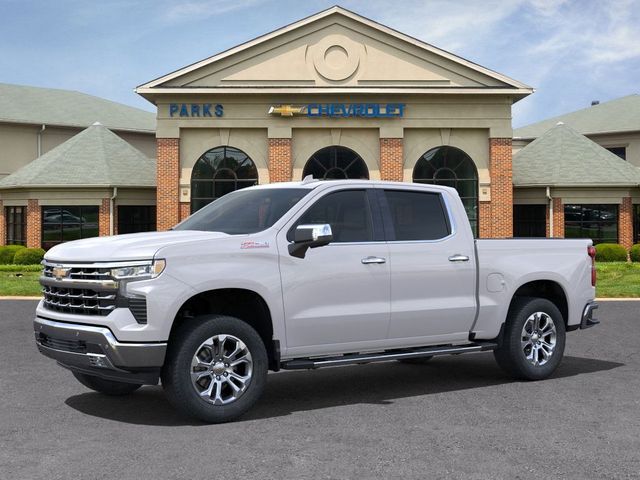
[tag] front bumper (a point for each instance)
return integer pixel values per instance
(95, 350)
(588, 319)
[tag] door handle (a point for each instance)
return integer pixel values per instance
(368, 260)
(458, 258)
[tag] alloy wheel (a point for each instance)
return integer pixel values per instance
(538, 339)
(221, 369)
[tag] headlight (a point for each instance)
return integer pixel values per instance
(139, 272)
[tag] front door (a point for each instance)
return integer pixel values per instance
(432, 268)
(336, 299)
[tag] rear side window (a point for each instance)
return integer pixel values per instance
(417, 215)
(346, 211)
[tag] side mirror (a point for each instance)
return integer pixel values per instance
(309, 236)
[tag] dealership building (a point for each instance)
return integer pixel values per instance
(337, 95)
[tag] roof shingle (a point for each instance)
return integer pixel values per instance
(50, 106)
(619, 115)
(94, 157)
(564, 157)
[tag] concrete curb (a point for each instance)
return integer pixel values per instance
(20, 298)
(621, 299)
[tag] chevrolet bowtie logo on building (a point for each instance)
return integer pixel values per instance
(340, 110)
(59, 272)
(287, 110)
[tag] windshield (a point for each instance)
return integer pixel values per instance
(244, 211)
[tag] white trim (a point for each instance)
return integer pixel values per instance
(318, 16)
(333, 90)
(576, 185)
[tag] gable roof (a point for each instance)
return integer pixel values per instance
(615, 116)
(170, 83)
(564, 157)
(95, 157)
(68, 108)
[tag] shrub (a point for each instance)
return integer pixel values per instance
(635, 253)
(611, 252)
(8, 252)
(29, 256)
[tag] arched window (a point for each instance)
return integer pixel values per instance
(336, 163)
(451, 167)
(219, 171)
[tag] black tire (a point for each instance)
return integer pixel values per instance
(108, 387)
(176, 373)
(416, 361)
(511, 356)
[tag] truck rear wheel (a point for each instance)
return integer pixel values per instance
(534, 339)
(108, 387)
(216, 368)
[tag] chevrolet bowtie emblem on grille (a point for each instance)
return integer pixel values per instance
(59, 272)
(287, 110)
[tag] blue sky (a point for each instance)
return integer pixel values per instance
(571, 51)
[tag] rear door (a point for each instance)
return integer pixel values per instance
(433, 276)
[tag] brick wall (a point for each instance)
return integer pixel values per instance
(103, 218)
(558, 218)
(168, 179)
(391, 159)
(115, 219)
(3, 224)
(500, 170)
(625, 223)
(547, 229)
(185, 210)
(280, 160)
(34, 223)
(485, 222)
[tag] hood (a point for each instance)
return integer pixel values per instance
(133, 246)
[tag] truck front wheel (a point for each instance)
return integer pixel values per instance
(533, 341)
(216, 368)
(102, 385)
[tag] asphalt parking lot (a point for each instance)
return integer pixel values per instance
(457, 417)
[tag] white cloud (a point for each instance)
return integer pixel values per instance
(449, 25)
(185, 11)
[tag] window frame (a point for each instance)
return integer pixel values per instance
(61, 224)
(332, 155)
(475, 199)
(528, 223)
(150, 213)
(611, 148)
(582, 221)
(389, 227)
(214, 180)
(10, 223)
(377, 229)
(636, 222)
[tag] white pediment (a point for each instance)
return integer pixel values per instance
(336, 58)
(335, 48)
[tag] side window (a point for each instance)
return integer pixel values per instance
(347, 212)
(417, 215)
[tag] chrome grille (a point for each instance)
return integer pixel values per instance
(80, 301)
(81, 273)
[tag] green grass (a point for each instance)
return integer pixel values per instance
(20, 280)
(615, 279)
(618, 279)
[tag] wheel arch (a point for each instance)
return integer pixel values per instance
(244, 304)
(547, 289)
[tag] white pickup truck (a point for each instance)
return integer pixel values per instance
(300, 276)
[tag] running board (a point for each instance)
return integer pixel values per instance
(309, 363)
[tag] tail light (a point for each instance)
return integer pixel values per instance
(591, 250)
